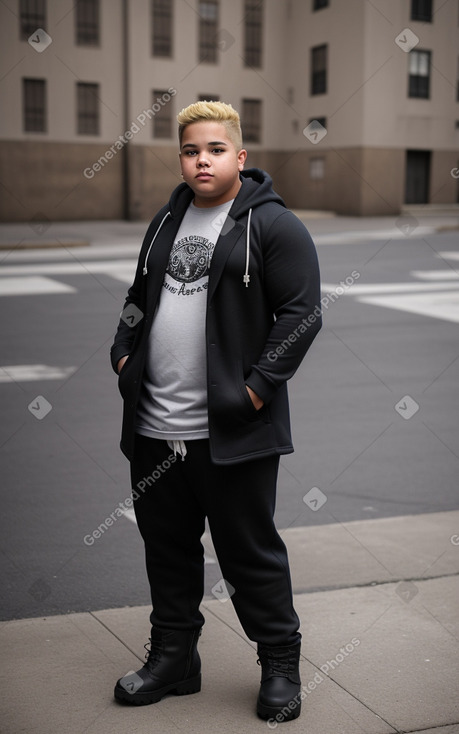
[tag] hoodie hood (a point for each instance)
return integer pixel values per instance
(256, 189)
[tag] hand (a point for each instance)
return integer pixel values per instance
(121, 363)
(256, 400)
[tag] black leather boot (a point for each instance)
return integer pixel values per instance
(280, 690)
(173, 666)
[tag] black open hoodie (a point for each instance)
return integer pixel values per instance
(263, 312)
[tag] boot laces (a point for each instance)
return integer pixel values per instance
(279, 663)
(153, 653)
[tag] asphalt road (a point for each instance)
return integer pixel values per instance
(374, 411)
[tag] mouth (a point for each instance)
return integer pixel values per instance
(204, 176)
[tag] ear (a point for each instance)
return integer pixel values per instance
(241, 158)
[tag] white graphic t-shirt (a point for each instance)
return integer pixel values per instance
(173, 403)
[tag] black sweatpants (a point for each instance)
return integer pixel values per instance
(172, 500)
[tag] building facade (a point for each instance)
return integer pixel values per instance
(352, 106)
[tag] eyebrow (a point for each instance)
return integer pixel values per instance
(193, 145)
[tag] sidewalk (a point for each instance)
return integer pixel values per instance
(380, 646)
(325, 227)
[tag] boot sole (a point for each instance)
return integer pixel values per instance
(184, 688)
(271, 712)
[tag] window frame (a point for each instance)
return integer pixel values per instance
(87, 28)
(319, 77)
(162, 32)
(422, 10)
(163, 118)
(416, 90)
(252, 120)
(30, 20)
(254, 13)
(38, 112)
(92, 112)
(208, 33)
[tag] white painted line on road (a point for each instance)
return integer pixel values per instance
(30, 286)
(435, 274)
(359, 236)
(361, 289)
(436, 305)
(449, 255)
(73, 268)
(33, 372)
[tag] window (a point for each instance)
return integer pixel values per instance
(32, 16)
(316, 169)
(208, 28)
(162, 120)
(87, 22)
(162, 18)
(321, 120)
(253, 33)
(319, 70)
(421, 10)
(251, 120)
(318, 4)
(419, 74)
(87, 109)
(34, 105)
(209, 97)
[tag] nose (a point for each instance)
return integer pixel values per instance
(202, 160)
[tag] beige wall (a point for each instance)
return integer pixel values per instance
(62, 64)
(47, 179)
(370, 120)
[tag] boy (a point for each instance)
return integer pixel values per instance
(218, 322)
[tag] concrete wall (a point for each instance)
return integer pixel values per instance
(48, 178)
(370, 120)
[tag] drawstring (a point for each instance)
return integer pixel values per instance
(178, 447)
(145, 269)
(246, 277)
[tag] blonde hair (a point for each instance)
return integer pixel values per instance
(213, 112)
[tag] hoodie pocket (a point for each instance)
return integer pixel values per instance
(251, 413)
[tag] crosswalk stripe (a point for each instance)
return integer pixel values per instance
(33, 285)
(33, 372)
(436, 305)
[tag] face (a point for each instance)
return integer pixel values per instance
(210, 163)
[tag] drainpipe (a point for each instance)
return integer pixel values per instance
(125, 93)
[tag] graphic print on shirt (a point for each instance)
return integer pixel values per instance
(189, 259)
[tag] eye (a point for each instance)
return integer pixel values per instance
(190, 152)
(218, 150)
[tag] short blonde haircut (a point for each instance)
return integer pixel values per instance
(213, 112)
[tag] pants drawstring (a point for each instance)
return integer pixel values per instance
(178, 447)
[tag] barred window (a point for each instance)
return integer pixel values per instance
(162, 20)
(87, 109)
(419, 74)
(162, 120)
(208, 30)
(421, 10)
(251, 120)
(319, 69)
(87, 17)
(32, 15)
(253, 33)
(34, 105)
